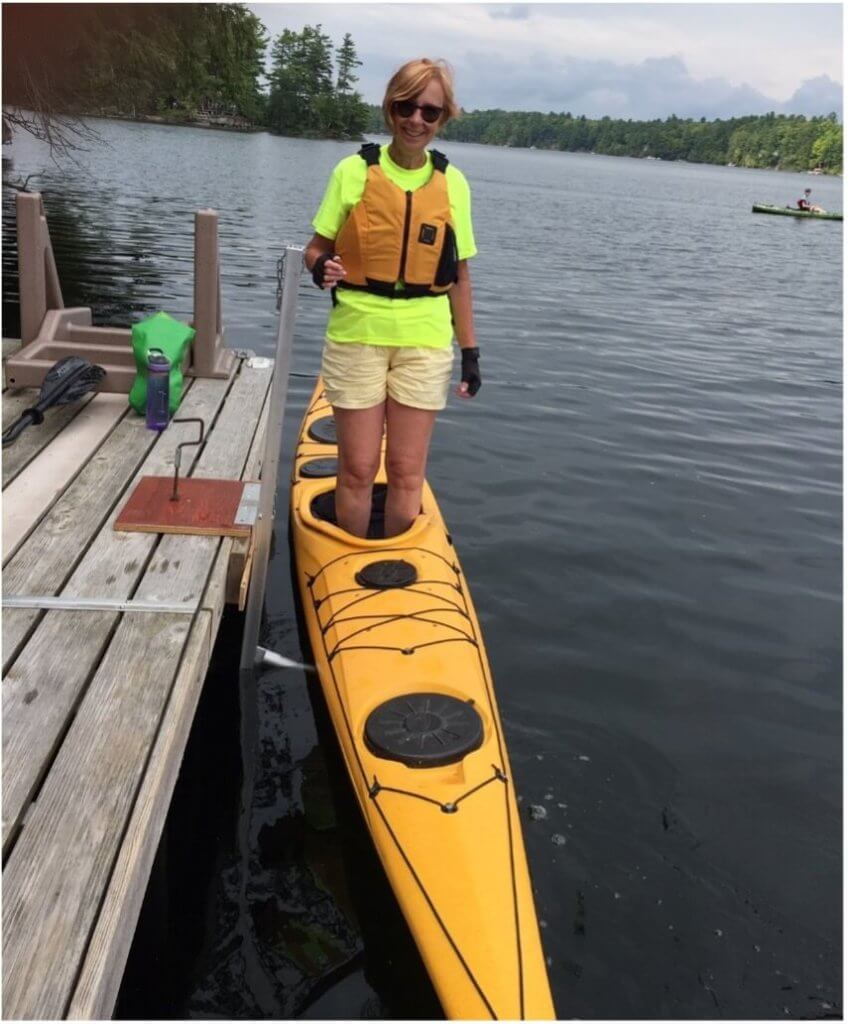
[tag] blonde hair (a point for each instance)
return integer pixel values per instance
(414, 76)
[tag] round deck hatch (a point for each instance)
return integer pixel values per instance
(319, 468)
(424, 730)
(386, 575)
(323, 430)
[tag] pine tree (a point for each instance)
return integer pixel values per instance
(317, 50)
(353, 112)
(287, 101)
(346, 61)
(304, 99)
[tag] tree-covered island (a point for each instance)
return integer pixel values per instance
(210, 65)
(200, 64)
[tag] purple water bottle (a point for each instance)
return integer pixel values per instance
(158, 389)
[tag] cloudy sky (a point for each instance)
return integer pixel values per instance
(623, 59)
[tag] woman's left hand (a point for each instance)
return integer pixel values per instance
(471, 381)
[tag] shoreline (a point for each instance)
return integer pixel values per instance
(816, 172)
(209, 126)
(174, 123)
(259, 129)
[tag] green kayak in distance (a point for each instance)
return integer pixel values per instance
(790, 211)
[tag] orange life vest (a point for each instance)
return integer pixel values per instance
(392, 236)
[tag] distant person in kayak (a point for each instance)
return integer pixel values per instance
(393, 239)
(806, 203)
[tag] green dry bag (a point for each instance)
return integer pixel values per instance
(171, 336)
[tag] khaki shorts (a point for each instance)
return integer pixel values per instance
(360, 376)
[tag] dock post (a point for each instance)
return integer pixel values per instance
(292, 267)
(209, 358)
(38, 279)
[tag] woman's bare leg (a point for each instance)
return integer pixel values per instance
(408, 433)
(359, 433)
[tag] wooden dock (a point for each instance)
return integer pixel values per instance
(97, 704)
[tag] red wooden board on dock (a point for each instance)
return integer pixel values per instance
(203, 506)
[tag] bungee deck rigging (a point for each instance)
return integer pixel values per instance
(402, 664)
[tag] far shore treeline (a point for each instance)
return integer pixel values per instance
(790, 142)
(205, 64)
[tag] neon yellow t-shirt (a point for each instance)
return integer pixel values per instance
(373, 319)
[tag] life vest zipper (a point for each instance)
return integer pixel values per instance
(406, 222)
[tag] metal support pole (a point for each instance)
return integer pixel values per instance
(292, 267)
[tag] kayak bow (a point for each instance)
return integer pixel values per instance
(789, 211)
(399, 653)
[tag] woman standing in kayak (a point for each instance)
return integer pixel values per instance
(393, 237)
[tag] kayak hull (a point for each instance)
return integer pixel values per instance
(448, 834)
(788, 211)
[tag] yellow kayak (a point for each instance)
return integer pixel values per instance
(405, 676)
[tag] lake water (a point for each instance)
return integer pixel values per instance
(646, 498)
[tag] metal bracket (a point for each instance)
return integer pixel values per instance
(248, 508)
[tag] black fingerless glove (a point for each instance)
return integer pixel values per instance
(471, 369)
(318, 268)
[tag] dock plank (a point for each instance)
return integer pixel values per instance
(100, 978)
(97, 990)
(37, 701)
(51, 900)
(35, 439)
(59, 542)
(34, 490)
(56, 545)
(53, 882)
(242, 546)
(15, 400)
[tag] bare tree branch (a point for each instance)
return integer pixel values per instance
(64, 133)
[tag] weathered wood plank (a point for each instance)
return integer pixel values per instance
(242, 547)
(253, 468)
(110, 568)
(50, 902)
(15, 400)
(34, 490)
(34, 439)
(59, 542)
(177, 569)
(54, 881)
(56, 545)
(100, 979)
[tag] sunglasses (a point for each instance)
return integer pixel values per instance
(406, 108)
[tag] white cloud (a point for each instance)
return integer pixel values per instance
(816, 95)
(653, 88)
(632, 60)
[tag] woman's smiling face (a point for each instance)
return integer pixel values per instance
(412, 135)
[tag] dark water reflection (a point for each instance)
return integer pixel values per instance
(647, 500)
